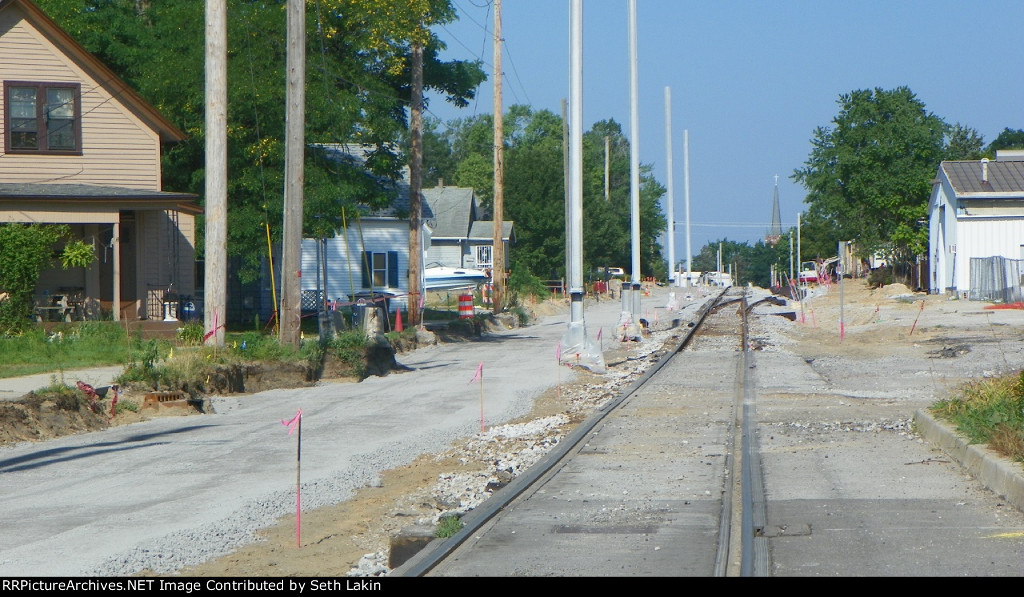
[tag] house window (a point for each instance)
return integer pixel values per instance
(483, 255)
(380, 270)
(42, 117)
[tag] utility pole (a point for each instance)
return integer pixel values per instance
(416, 187)
(295, 115)
(498, 252)
(568, 179)
(216, 274)
(686, 175)
(670, 233)
(634, 127)
(799, 254)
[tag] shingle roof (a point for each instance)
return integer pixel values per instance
(356, 154)
(484, 229)
(82, 193)
(453, 210)
(1004, 178)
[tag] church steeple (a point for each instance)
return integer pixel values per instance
(775, 232)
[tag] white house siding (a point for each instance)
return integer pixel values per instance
(942, 240)
(986, 237)
(117, 149)
(344, 259)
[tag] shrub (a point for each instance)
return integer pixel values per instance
(522, 282)
(191, 334)
(989, 411)
(349, 347)
(882, 276)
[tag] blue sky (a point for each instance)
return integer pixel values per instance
(749, 80)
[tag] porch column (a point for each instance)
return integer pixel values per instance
(91, 308)
(117, 271)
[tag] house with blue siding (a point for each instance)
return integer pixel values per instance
(976, 228)
(369, 257)
(459, 238)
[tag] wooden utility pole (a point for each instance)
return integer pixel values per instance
(416, 187)
(216, 274)
(498, 252)
(295, 125)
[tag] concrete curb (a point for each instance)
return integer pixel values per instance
(996, 472)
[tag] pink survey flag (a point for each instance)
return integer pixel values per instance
(599, 330)
(293, 423)
(210, 333)
(479, 372)
(558, 352)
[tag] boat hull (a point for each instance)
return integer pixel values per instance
(450, 278)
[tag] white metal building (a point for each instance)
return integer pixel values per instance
(976, 212)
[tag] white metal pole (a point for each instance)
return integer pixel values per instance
(575, 273)
(634, 154)
(799, 254)
(670, 233)
(686, 176)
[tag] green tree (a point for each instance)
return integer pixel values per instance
(25, 251)
(964, 143)
(868, 176)
(535, 189)
(358, 83)
(1008, 139)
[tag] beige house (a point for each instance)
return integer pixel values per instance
(81, 148)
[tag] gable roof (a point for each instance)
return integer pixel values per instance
(454, 209)
(979, 179)
(101, 74)
(356, 155)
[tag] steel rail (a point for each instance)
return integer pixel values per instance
(437, 550)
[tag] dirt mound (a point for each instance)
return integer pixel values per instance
(37, 418)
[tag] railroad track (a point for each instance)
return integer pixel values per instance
(664, 480)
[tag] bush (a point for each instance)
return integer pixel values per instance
(191, 334)
(524, 283)
(879, 277)
(990, 411)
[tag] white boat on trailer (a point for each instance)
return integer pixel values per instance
(440, 277)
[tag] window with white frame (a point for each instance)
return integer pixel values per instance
(483, 255)
(380, 270)
(42, 117)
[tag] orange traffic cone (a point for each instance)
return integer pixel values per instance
(398, 320)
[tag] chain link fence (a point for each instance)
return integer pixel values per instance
(996, 279)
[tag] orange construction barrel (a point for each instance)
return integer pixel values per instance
(465, 306)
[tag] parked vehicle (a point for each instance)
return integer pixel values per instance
(809, 272)
(612, 272)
